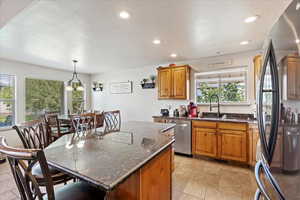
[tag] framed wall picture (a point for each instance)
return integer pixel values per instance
(121, 87)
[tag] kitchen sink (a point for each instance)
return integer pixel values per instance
(228, 115)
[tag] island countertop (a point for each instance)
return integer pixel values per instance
(106, 161)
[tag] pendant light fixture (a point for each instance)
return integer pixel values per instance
(74, 84)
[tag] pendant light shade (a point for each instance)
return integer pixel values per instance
(74, 83)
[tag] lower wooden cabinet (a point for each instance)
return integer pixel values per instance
(152, 181)
(233, 145)
(253, 138)
(205, 141)
(221, 140)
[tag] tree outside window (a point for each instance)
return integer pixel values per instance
(43, 96)
(7, 100)
(229, 85)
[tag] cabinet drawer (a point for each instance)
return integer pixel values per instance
(205, 124)
(233, 126)
(233, 132)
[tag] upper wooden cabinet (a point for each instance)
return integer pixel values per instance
(257, 61)
(290, 82)
(173, 82)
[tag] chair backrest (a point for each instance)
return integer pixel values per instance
(21, 162)
(99, 119)
(82, 122)
(52, 121)
(34, 135)
(112, 120)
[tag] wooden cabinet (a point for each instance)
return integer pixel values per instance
(173, 82)
(164, 83)
(205, 141)
(257, 61)
(221, 140)
(152, 181)
(253, 138)
(156, 178)
(290, 82)
(233, 145)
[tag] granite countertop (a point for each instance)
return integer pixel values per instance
(107, 160)
(210, 119)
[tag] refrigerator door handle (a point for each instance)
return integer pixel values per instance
(268, 147)
(261, 188)
(260, 166)
(257, 195)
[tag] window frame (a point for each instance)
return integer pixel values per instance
(222, 71)
(83, 97)
(13, 101)
(64, 105)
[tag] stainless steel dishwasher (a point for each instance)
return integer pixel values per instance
(183, 136)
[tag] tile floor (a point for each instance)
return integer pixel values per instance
(198, 179)
(193, 179)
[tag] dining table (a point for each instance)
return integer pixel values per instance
(127, 164)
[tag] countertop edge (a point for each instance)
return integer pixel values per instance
(209, 119)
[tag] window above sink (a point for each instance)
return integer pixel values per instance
(230, 85)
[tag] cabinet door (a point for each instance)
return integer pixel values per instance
(205, 141)
(233, 145)
(164, 83)
(156, 178)
(291, 80)
(179, 82)
(257, 71)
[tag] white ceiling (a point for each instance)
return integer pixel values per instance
(53, 32)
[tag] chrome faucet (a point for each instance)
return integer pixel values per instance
(218, 101)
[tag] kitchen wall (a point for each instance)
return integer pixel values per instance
(22, 71)
(142, 104)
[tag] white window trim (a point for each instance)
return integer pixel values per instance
(5, 128)
(228, 70)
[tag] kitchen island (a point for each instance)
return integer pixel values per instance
(133, 163)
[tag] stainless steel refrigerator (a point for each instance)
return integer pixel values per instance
(277, 171)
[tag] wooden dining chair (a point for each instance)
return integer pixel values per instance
(35, 136)
(22, 162)
(54, 127)
(99, 119)
(112, 121)
(82, 123)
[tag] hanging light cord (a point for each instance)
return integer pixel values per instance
(75, 72)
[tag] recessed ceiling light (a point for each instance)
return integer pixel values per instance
(245, 42)
(124, 15)
(298, 6)
(156, 41)
(251, 19)
(297, 41)
(173, 55)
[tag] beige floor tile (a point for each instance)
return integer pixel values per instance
(195, 188)
(7, 196)
(190, 197)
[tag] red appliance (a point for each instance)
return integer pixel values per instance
(192, 110)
